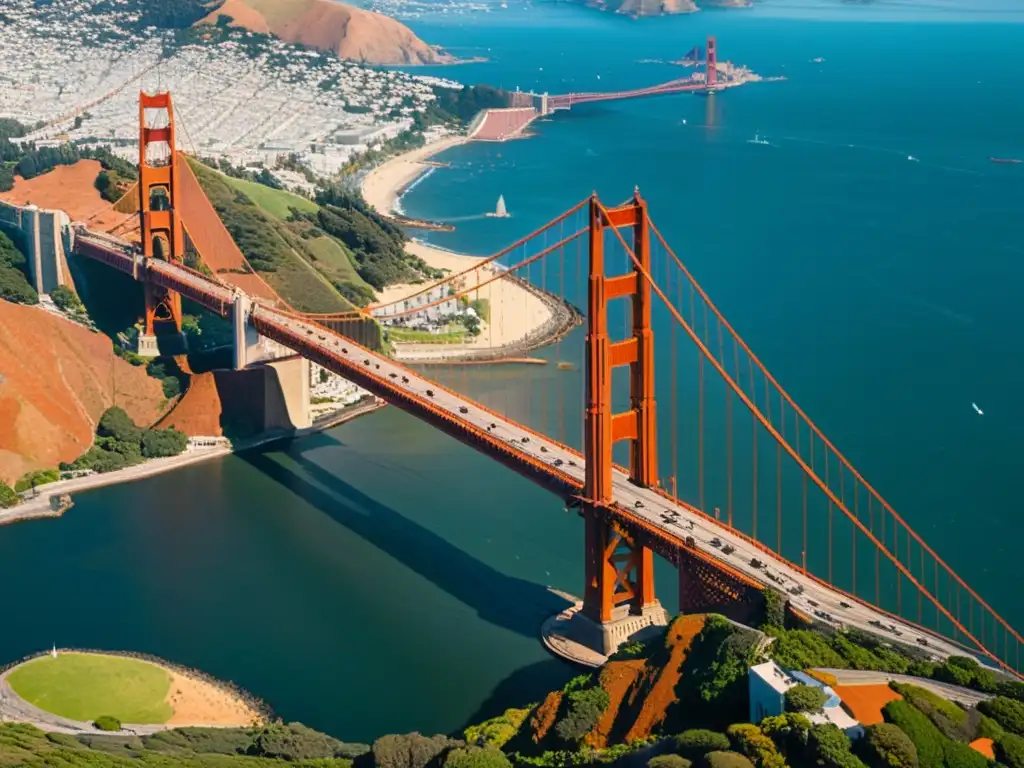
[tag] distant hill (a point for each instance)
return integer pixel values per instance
(351, 33)
(663, 7)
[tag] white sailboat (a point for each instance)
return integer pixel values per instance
(499, 211)
(758, 140)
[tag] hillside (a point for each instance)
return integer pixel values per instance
(350, 32)
(56, 379)
(645, 7)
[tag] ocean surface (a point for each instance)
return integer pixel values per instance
(383, 578)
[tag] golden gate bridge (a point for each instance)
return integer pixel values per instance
(712, 466)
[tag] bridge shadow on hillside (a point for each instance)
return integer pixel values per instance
(505, 601)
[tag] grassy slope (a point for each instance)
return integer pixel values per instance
(331, 257)
(294, 277)
(276, 202)
(84, 686)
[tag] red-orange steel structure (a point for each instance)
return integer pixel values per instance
(620, 539)
(159, 221)
(618, 569)
(712, 62)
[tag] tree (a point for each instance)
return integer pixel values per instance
(1009, 750)
(411, 750)
(163, 442)
(1007, 712)
(805, 698)
(749, 740)
(171, 386)
(886, 746)
(829, 746)
(117, 424)
(697, 742)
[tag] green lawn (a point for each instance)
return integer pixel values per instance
(83, 686)
(274, 201)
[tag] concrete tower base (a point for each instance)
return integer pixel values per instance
(583, 641)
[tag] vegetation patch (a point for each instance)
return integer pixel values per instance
(87, 686)
(14, 284)
(121, 443)
(497, 731)
(805, 698)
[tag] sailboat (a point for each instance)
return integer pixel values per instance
(499, 210)
(758, 140)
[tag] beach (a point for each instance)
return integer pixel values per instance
(519, 317)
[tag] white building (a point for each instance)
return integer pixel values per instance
(768, 683)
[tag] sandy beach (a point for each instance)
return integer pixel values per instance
(516, 313)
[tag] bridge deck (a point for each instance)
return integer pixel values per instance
(533, 455)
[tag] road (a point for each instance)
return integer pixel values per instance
(676, 520)
(956, 693)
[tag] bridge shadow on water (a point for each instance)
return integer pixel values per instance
(505, 601)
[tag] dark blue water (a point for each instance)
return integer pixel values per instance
(384, 578)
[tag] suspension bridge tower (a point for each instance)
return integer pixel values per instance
(619, 598)
(159, 220)
(711, 76)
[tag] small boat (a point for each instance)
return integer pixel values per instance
(499, 210)
(1006, 160)
(913, 159)
(758, 140)
(975, 406)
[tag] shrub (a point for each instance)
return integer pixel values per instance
(789, 732)
(294, 742)
(8, 498)
(107, 723)
(949, 718)
(928, 741)
(1009, 750)
(827, 745)
(117, 424)
(886, 746)
(66, 299)
(497, 731)
(171, 386)
(585, 709)
(805, 698)
(210, 741)
(163, 442)
(774, 609)
(748, 740)
(476, 757)
(720, 759)
(957, 754)
(669, 761)
(36, 478)
(1007, 712)
(1011, 689)
(411, 750)
(697, 742)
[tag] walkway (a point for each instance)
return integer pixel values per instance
(960, 695)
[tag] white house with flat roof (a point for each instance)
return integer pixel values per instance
(768, 683)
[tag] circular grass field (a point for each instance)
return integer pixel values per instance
(84, 686)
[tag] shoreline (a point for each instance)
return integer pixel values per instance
(40, 506)
(522, 316)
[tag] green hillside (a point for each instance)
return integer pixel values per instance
(276, 202)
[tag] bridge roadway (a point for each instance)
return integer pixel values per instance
(682, 85)
(524, 450)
